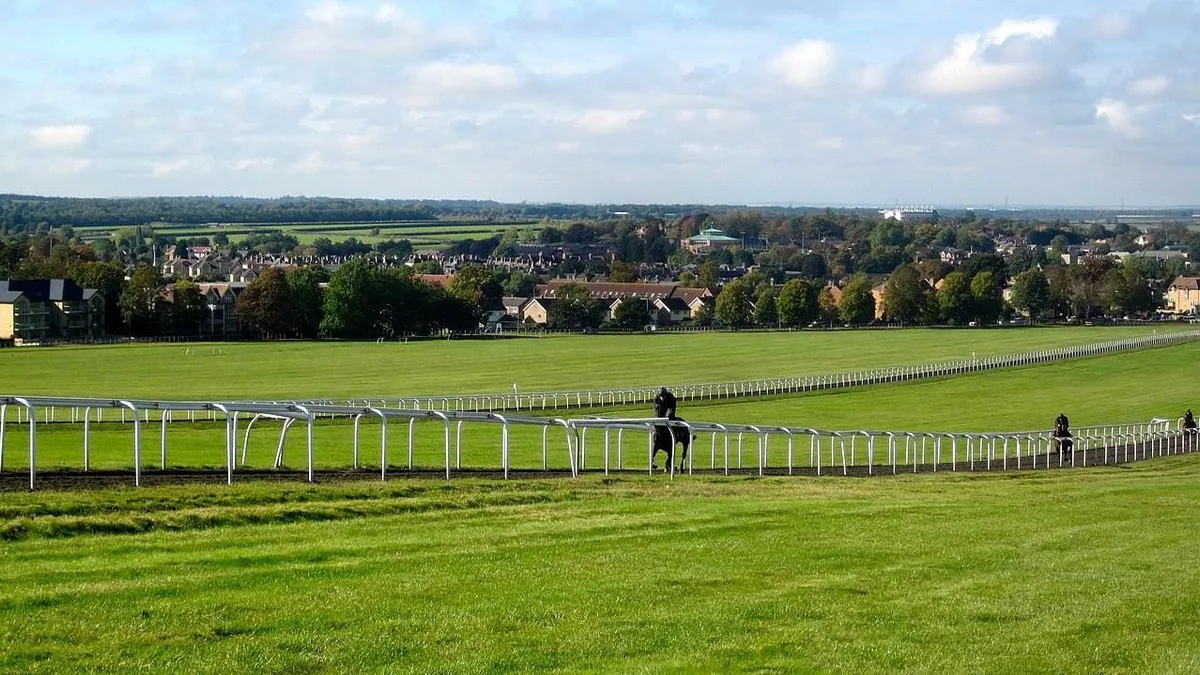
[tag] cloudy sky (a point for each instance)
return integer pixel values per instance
(1066, 102)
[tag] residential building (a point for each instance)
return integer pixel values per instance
(49, 309)
(220, 300)
(537, 311)
(513, 305)
(1183, 295)
(709, 240)
(670, 302)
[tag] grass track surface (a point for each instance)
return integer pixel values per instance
(1066, 572)
(1127, 387)
(350, 369)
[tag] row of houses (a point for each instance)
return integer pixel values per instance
(668, 303)
(37, 310)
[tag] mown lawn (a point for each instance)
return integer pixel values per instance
(1120, 388)
(1082, 571)
(349, 369)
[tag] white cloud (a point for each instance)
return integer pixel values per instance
(164, 169)
(328, 11)
(60, 137)
(981, 63)
(607, 121)
(806, 64)
(1119, 117)
(312, 162)
(1150, 86)
(464, 78)
(871, 78)
(1111, 26)
(253, 163)
(986, 115)
(70, 165)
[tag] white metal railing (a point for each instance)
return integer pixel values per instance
(860, 450)
(543, 402)
(626, 396)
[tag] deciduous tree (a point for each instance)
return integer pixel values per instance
(141, 301)
(797, 303)
(857, 305)
(186, 311)
(574, 309)
(1031, 294)
(954, 298)
(733, 308)
(267, 304)
(904, 295)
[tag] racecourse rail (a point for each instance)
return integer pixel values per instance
(858, 450)
(624, 396)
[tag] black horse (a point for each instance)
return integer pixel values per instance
(665, 440)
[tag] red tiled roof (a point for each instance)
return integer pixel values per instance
(1186, 283)
(442, 280)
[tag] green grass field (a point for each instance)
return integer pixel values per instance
(356, 369)
(1072, 571)
(1092, 391)
(1086, 571)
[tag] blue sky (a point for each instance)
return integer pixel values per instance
(711, 101)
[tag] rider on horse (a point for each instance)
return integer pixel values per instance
(1062, 433)
(664, 404)
(665, 437)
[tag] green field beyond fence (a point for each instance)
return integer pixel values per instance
(303, 370)
(1093, 391)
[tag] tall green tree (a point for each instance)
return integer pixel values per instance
(797, 303)
(631, 314)
(267, 304)
(186, 311)
(987, 297)
(574, 309)
(1129, 292)
(478, 285)
(708, 275)
(1031, 294)
(766, 310)
(733, 308)
(954, 298)
(904, 295)
(622, 272)
(141, 301)
(353, 301)
(308, 300)
(857, 305)
(827, 304)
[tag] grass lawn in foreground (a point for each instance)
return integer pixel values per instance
(1079, 571)
(1118, 388)
(298, 370)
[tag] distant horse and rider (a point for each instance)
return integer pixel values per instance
(1189, 426)
(666, 437)
(1062, 434)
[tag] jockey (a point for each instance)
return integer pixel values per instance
(1062, 425)
(664, 404)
